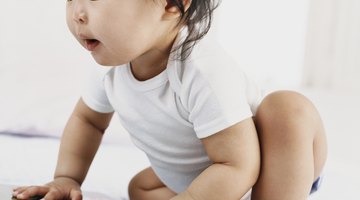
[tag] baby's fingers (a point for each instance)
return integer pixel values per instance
(28, 192)
(75, 195)
(18, 190)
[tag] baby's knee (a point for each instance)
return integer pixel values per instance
(135, 188)
(143, 185)
(285, 112)
(284, 106)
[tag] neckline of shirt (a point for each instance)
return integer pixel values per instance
(146, 85)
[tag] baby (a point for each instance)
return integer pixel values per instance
(208, 131)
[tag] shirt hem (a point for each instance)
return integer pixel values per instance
(96, 106)
(219, 125)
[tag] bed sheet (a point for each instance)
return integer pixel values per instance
(32, 160)
(27, 160)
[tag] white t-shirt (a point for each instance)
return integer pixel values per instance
(166, 116)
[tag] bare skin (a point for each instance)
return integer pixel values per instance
(293, 153)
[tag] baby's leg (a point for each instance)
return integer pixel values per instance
(147, 186)
(293, 147)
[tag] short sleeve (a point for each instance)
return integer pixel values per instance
(217, 98)
(94, 92)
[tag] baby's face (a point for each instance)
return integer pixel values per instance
(117, 31)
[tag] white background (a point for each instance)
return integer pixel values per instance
(266, 37)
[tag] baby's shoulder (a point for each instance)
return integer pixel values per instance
(208, 65)
(210, 60)
(209, 56)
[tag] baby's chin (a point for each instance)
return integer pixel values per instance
(106, 62)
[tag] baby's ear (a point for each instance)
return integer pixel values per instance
(172, 11)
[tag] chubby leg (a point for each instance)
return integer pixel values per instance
(293, 147)
(147, 186)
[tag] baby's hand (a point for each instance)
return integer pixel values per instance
(60, 188)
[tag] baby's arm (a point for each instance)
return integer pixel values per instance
(235, 152)
(80, 141)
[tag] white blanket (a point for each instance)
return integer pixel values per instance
(31, 161)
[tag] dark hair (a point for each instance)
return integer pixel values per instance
(197, 18)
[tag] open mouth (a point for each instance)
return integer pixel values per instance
(91, 44)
